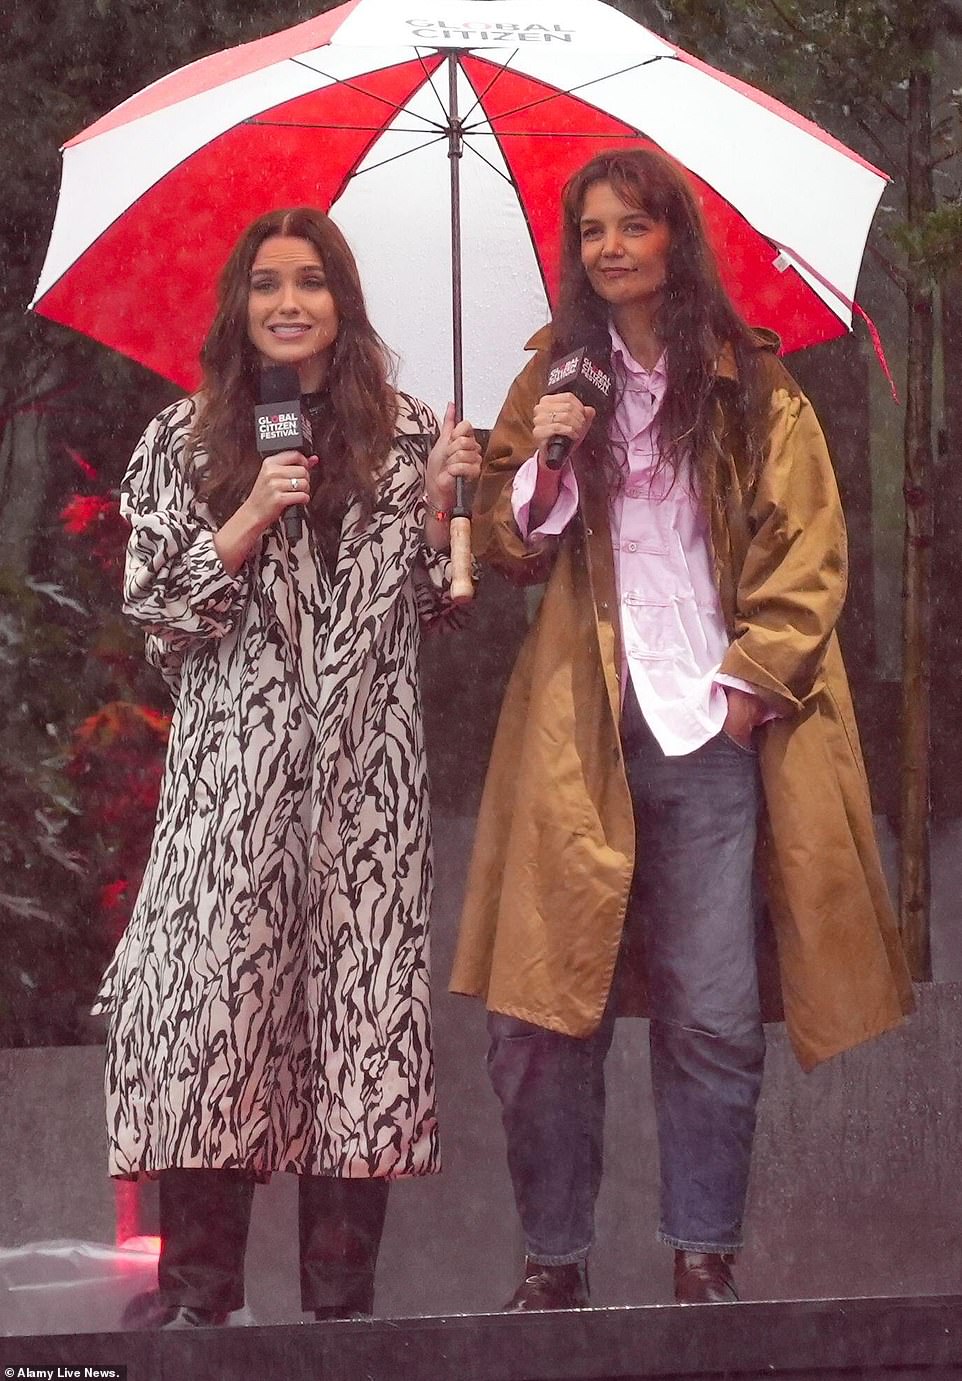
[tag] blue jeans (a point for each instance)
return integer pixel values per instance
(693, 909)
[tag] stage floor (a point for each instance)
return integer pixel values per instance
(888, 1339)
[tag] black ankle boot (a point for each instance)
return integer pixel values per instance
(550, 1287)
(187, 1316)
(151, 1310)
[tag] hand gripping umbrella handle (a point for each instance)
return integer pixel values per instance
(462, 586)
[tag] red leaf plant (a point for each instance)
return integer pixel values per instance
(117, 759)
(117, 752)
(95, 518)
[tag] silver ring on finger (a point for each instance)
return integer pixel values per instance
(295, 484)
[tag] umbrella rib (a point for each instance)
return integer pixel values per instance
(493, 166)
(582, 86)
(478, 133)
(480, 95)
(309, 124)
(512, 181)
(429, 78)
(372, 95)
(429, 143)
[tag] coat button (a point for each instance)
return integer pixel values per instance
(590, 531)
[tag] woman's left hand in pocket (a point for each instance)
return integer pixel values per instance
(744, 712)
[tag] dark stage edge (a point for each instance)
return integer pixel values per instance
(814, 1340)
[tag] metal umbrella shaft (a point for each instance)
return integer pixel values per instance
(462, 588)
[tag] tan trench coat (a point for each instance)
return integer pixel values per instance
(549, 881)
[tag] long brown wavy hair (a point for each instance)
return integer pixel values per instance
(695, 320)
(358, 410)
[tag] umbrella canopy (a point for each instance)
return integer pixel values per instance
(358, 112)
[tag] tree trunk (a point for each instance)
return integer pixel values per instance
(914, 883)
(947, 568)
(24, 467)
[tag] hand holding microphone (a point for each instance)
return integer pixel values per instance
(576, 388)
(282, 488)
(281, 427)
(559, 417)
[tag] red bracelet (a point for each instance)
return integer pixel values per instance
(440, 515)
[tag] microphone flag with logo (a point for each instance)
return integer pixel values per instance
(589, 382)
(280, 425)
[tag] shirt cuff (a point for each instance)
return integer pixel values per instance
(721, 678)
(565, 506)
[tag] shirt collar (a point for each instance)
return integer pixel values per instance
(655, 378)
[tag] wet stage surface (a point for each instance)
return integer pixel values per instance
(825, 1340)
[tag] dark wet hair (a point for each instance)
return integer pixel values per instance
(695, 320)
(356, 420)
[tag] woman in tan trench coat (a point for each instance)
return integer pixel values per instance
(544, 927)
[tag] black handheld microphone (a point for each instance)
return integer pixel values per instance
(280, 425)
(590, 383)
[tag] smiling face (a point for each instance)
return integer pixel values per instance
(624, 251)
(291, 314)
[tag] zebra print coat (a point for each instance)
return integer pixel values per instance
(268, 1004)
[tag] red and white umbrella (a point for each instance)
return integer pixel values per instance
(360, 110)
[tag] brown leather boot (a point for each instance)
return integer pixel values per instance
(704, 1278)
(550, 1287)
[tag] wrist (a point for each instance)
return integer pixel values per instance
(439, 510)
(247, 526)
(249, 521)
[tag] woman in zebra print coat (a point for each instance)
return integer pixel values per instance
(268, 1004)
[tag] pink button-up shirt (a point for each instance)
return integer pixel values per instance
(673, 630)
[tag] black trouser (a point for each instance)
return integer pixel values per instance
(204, 1217)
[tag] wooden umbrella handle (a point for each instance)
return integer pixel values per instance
(462, 586)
